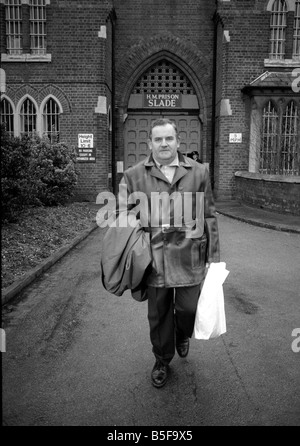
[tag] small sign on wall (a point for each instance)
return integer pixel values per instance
(88, 155)
(85, 140)
(86, 151)
(120, 167)
(235, 137)
(162, 100)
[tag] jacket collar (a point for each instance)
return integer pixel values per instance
(183, 160)
(184, 165)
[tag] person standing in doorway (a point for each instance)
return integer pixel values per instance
(195, 156)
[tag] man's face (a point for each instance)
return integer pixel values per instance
(164, 143)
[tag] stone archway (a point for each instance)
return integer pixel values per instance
(162, 90)
(186, 56)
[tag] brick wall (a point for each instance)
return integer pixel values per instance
(270, 192)
(240, 60)
(79, 72)
(85, 66)
(148, 31)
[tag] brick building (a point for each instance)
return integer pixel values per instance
(96, 73)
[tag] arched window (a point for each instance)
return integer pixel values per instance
(163, 77)
(51, 114)
(27, 117)
(278, 29)
(289, 149)
(7, 116)
(268, 147)
(296, 47)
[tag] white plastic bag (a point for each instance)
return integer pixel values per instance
(210, 320)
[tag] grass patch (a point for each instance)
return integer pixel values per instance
(39, 233)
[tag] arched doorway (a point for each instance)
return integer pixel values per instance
(161, 91)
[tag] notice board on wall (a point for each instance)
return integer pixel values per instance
(86, 151)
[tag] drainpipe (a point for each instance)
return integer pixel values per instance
(113, 117)
(214, 88)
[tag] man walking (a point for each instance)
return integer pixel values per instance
(180, 252)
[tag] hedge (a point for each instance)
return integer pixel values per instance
(36, 172)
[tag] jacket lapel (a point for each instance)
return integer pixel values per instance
(182, 170)
(154, 170)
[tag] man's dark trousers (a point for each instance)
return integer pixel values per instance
(165, 323)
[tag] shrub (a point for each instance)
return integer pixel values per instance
(54, 171)
(15, 161)
(35, 172)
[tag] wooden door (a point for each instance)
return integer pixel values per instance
(137, 128)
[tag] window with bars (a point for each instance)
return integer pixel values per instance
(268, 148)
(296, 46)
(7, 116)
(13, 20)
(278, 29)
(27, 117)
(163, 77)
(51, 114)
(19, 21)
(37, 26)
(289, 150)
(279, 149)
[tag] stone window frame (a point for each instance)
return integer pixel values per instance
(8, 113)
(27, 118)
(163, 77)
(13, 26)
(278, 25)
(290, 5)
(37, 20)
(258, 103)
(283, 62)
(33, 55)
(267, 155)
(296, 34)
(54, 135)
(40, 127)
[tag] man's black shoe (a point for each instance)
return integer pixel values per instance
(182, 347)
(159, 374)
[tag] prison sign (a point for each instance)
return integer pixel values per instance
(86, 151)
(153, 100)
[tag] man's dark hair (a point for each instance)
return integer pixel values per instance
(162, 121)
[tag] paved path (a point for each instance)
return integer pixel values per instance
(77, 355)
